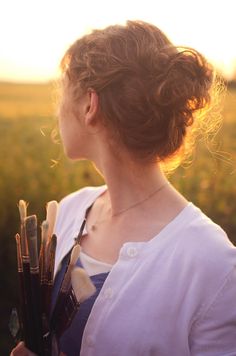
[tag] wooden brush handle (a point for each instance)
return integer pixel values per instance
(64, 319)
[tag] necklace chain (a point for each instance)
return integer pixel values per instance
(93, 226)
(140, 201)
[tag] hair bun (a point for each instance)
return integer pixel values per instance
(185, 81)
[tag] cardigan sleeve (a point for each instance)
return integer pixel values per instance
(214, 333)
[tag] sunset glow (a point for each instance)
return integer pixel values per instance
(35, 34)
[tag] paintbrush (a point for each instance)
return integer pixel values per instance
(47, 228)
(82, 285)
(24, 246)
(43, 286)
(65, 286)
(51, 251)
(66, 283)
(49, 242)
(47, 256)
(25, 285)
(47, 251)
(42, 255)
(35, 311)
(50, 273)
(46, 234)
(43, 276)
(51, 208)
(81, 289)
(23, 311)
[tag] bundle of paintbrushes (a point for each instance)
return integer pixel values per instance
(40, 327)
(36, 273)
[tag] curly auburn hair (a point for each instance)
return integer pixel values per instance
(150, 91)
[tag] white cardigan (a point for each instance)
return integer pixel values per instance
(174, 295)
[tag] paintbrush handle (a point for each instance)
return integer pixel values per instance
(28, 331)
(43, 263)
(23, 308)
(23, 322)
(35, 307)
(46, 294)
(36, 312)
(64, 288)
(47, 275)
(61, 299)
(25, 290)
(50, 272)
(42, 255)
(65, 317)
(66, 283)
(52, 253)
(58, 309)
(24, 243)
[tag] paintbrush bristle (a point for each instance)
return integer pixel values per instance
(52, 252)
(17, 237)
(22, 210)
(31, 234)
(31, 226)
(75, 254)
(82, 284)
(51, 208)
(44, 228)
(18, 251)
(53, 242)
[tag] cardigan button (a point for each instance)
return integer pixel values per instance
(132, 252)
(108, 293)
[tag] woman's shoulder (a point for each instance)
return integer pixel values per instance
(202, 232)
(81, 197)
(194, 233)
(75, 204)
(204, 246)
(195, 246)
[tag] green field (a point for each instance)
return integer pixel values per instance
(34, 168)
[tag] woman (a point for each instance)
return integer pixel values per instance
(165, 273)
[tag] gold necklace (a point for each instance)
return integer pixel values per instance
(94, 225)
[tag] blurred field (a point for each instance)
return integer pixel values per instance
(26, 101)
(33, 168)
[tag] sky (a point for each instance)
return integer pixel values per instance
(35, 34)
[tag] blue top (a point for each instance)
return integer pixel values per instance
(70, 341)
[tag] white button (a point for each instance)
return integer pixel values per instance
(89, 341)
(108, 293)
(132, 251)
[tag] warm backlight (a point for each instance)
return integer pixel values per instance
(35, 34)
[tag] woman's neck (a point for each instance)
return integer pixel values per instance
(130, 183)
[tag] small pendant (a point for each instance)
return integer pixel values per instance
(93, 227)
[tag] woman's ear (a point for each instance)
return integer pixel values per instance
(91, 108)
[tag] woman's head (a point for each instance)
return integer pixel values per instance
(149, 91)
